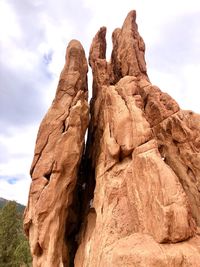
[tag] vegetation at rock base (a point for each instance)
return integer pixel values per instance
(14, 248)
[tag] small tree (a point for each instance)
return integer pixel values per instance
(22, 254)
(14, 250)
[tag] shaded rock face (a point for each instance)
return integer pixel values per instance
(131, 197)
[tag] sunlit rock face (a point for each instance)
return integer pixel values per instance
(54, 171)
(131, 195)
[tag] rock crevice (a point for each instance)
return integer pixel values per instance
(130, 196)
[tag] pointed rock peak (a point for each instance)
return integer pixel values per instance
(75, 57)
(54, 171)
(74, 74)
(128, 50)
(98, 47)
(74, 44)
(128, 54)
(130, 21)
(97, 61)
(135, 186)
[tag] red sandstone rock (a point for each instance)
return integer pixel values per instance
(140, 199)
(136, 198)
(58, 151)
(128, 50)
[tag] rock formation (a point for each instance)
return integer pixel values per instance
(132, 196)
(59, 146)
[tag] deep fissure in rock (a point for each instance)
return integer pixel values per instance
(81, 204)
(151, 147)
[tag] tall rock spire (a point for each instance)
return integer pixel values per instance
(128, 50)
(132, 197)
(59, 146)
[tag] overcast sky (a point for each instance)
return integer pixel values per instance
(33, 39)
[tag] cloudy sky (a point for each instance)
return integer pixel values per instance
(33, 39)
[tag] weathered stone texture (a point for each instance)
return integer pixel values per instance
(145, 200)
(138, 185)
(58, 151)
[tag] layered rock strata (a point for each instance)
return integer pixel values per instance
(135, 200)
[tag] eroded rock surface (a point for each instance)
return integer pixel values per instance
(145, 199)
(132, 197)
(54, 170)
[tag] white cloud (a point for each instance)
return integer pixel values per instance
(152, 16)
(20, 148)
(9, 27)
(57, 33)
(20, 139)
(191, 96)
(17, 191)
